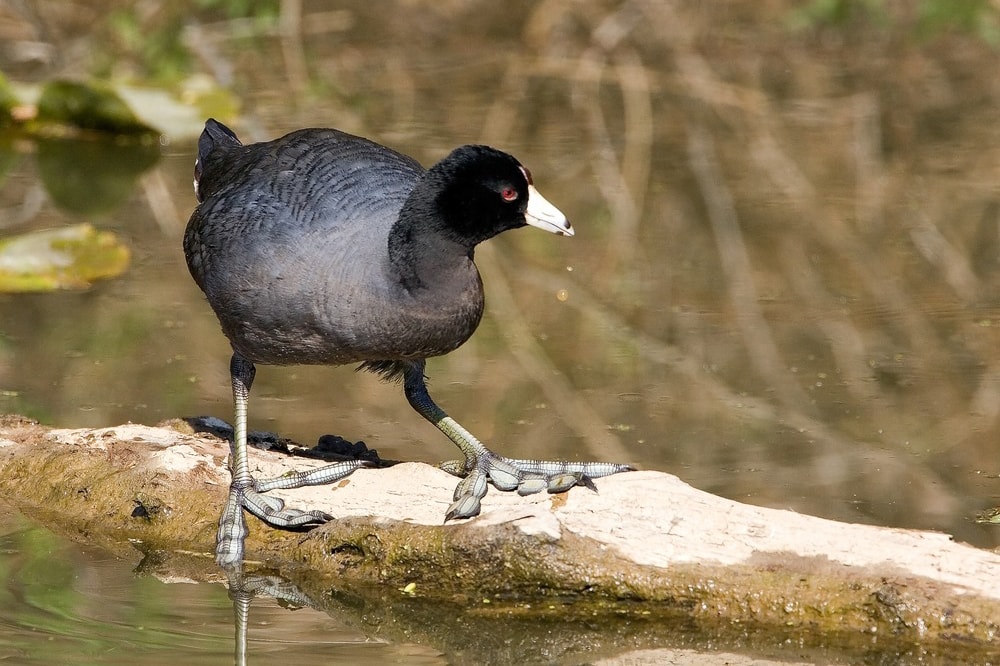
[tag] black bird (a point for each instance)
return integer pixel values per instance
(325, 248)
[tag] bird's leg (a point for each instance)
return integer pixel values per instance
(481, 466)
(246, 492)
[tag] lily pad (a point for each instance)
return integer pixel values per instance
(68, 258)
(89, 106)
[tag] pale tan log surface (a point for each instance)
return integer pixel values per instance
(645, 537)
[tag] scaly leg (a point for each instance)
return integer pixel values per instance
(246, 492)
(481, 466)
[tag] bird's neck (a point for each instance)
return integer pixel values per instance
(425, 255)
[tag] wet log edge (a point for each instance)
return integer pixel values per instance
(645, 539)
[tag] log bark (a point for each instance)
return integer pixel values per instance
(645, 541)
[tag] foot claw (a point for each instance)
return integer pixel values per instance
(585, 481)
(249, 495)
(526, 476)
(273, 512)
(467, 506)
(563, 482)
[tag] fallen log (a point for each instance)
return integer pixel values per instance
(646, 541)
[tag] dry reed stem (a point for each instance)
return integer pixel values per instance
(829, 227)
(870, 173)
(847, 342)
(161, 203)
(290, 29)
(736, 264)
(622, 180)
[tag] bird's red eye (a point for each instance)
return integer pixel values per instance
(508, 193)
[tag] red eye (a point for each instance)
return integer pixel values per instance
(508, 193)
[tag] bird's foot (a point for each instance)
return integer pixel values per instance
(525, 476)
(250, 495)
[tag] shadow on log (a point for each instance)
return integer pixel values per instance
(646, 546)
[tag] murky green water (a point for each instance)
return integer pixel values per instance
(784, 287)
(63, 604)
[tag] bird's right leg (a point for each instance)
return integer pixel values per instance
(482, 466)
(246, 492)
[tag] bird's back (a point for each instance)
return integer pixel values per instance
(289, 243)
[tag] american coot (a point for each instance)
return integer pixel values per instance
(325, 248)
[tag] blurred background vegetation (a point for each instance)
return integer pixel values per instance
(785, 283)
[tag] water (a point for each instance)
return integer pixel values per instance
(783, 286)
(68, 604)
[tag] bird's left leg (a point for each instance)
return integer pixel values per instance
(482, 466)
(247, 492)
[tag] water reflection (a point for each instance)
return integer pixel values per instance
(88, 177)
(62, 604)
(67, 605)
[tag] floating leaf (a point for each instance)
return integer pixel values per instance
(90, 106)
(67, 258)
